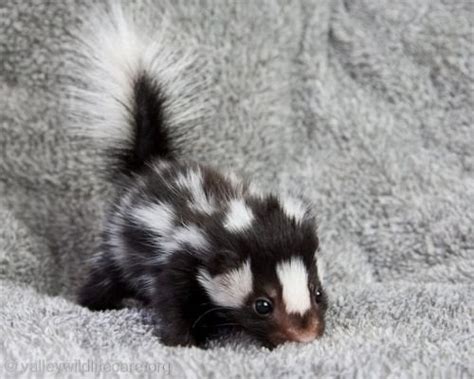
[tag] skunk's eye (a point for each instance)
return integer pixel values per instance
(318, 295)
(263, 306)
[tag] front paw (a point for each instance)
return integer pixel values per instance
(176, 338)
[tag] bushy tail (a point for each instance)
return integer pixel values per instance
(136, 91)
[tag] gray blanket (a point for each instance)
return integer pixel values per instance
(365, 106)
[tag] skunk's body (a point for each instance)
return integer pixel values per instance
(203, 248)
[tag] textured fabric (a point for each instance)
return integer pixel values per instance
(364, 106)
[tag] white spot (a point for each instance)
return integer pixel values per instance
(158, 217)
(239, 216)
(193, 182)
(161, 165)
(293, 278)
(168, 246)
(229, 289)
(294, 208)
(187, 234)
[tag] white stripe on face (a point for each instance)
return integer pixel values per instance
(293, 278)
(239, 216)
(229, 289)
(294, 208)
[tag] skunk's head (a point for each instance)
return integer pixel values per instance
(264, 269)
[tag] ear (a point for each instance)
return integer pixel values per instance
(222, 261)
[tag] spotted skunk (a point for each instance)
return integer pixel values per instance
(204, 249)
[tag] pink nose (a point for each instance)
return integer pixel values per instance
(303, 336)
(308, 334)
(306, 337)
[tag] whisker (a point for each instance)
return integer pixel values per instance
(205, 313)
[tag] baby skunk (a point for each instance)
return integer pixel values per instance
(203, 249)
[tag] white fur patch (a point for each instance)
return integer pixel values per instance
(193, 182)
(229, 289)
(239, 216)
(293, 278)
(161, 165)
(187, 234)
(294, 208)
(158, 217)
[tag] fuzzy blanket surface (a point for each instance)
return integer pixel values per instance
(365, 106)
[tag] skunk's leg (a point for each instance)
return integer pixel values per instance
(104, 287)
(174, 330)
(176, 317)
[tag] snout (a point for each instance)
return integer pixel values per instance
(300, 333)
(303, 337)
(314, 330)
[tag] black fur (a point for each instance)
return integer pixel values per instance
(131, 263)
(151, 139)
